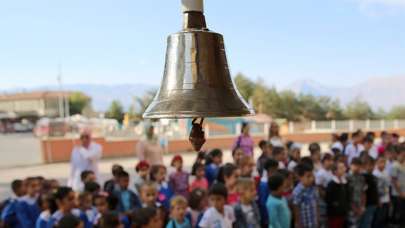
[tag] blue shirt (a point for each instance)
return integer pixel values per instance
(306, 199)
(174, 224)
(278, 212)
(263, 193)
(27, 211)
(211, 172)
(126, 200)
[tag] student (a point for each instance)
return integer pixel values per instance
(48, 206)
(85, 206)
(369, 148)
(295, 156)
(200, 181)
(198, 202)
(178, 180)
(218, 214)
(384, 182)
(357, 186)
(146, 217)
(142, 174)
(127, 199)
(70, 221)
(315, 153)
(158, 175)
(398, 187)
(92, 187)
(337, 196)
(266, 149)
(27, 209)
(305, 198)
(110, 220)
(322, 178)
(112, 184)
(228, 175)
(280, 156)
(372, 199)
(270, 167)
(178, 207)
(87, 176)
(246, 212)
(354, 149)
(212, 163)
(277, 207)
(237, 155)
(101, 205)
(8, 214)
(200, 160)
(149, 195)
(246, 166)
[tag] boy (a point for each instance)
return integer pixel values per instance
(305, 199)
(246, 211)
(384, 183)
(111, 185)
(398, 187)
(8, 215)
(357, 186)
(27, 209)
(178, 219)
(280, 156)
(354, 149)
(86, 176)
(149, 194)
(277, 207)
(265, 147)
(218, 215)
(322, 178)
(270, 167)
(142, 170)
(246, 166)
(127, 199)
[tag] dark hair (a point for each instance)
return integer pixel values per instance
(314, 148)
(123, 174)
(112, 202)
(284, 172)
(356, 161)
(154, 170)
(263, 143)
(395, 135)
(109, 220)
(244, 125)
(197, 167)
(270, 164)
(16, 185)
(198, 161)
(308, 161)
(356, 133)
(327, 156)
(92, 187)
(85, 174)
(277, 150)
(69, 221)
(213, 153)
(218, 189)
(302, 168)
(368, 139)
(143, 216)
(195, 198)
(368, 160)
(370, 134)
(275, 182)
(344, 137)
(62, 192)
(50, 200)
(226, 171)
(335, 165)
(115, 169)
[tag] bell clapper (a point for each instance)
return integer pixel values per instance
(197, 136)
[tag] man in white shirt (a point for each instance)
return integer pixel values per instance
(84, 157)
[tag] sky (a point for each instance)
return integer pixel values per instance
(333, 42)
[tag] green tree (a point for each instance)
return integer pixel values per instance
(245, 86)
(359, 110)
(397, 112)
(78, 102)
(289, 106)
(115, 111)
(138, 107)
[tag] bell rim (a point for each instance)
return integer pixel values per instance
(192, 114)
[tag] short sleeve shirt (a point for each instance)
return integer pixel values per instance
(213, 219)
(307, 201)
(398, 173)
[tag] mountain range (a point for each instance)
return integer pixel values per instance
(384, 92)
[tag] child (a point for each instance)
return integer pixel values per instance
(87, 176)
(200, 181)
(127, 199)
(247, 213)
(92, 187)
(357, 186)
(295, 156)
(200, 160)
(247, 166)
(178, 180)
(111, 185)
(8, 214)
(27, 209)
(142, 170)
(270, 167)
(237, 155)
(315, 151)
(147, 217)
(70, 221)
(158, 175)
(178, 213)
(212, 163)
(198, 203)
(227, 175)
(149, 195)
(280, 156)
(101, 205)
(218, 215)
(266, 148)
(381, 214)
(337, 196)
(110, 220)
(354, 149)
(398, 187)
(48, 207)
(305, 198)
(277, 207)
(322, 178)
(86, 206)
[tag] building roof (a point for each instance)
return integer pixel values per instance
(34, 95)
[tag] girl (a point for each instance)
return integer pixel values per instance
(212, 163)
(228, 175)
(198, 204)
(178, 181)
(237, 155)
(200, 181)
(200, 160)
(244, 141)
(48, 206)
(158, 175)
(147, 217)
(247, 166)
(178, 213)
(295, 156)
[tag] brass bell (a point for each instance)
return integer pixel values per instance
(196, 80)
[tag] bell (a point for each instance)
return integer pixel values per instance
(196, 81)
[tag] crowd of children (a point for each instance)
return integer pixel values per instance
(358, 183)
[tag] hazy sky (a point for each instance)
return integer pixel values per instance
(335, 42)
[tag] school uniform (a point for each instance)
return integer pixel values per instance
(58, 215)
(174, 224)
(9, 213)
(27, 211)
(247, 216)
(338, 202)
(165, 193)
(263, 193)
(127, 200)
(43, 219)
(211, 172)
(212, 218)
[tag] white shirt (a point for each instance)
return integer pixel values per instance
(323, 177)
(291, 165)
(337, 145)
(83, 159)
(353, 151)
(213, 219)
(281, 165)
(384, 182)
(373, 152)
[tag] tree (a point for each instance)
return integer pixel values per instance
(397, 112)
(138, 107)
(115, 111)
(359, 110)
(289, 106)
(78, 102)
(245, 86)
